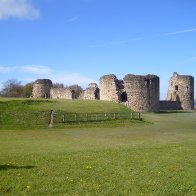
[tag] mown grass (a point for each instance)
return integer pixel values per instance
(60, 104)
(33, 113)
(157, 158)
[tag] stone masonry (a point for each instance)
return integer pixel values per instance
(181, 90)
(61, 93)
(41, 88)
(91, 92)
(142, 92)
(109, 88)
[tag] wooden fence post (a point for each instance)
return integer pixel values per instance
(140, 116)
(131, 115)
(105, 115)
(51, 120)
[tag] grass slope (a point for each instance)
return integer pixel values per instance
(60, 104)
(33, 114)
(150, 159)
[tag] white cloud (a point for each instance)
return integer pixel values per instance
(5, 69)
(71, 78)
(115, 43)
(179, 32)
(65, 78)
(36, 69)
(18, 9)
(32, 73)
(73, 19)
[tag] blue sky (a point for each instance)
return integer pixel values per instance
(78, 41)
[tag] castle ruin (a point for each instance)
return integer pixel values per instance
(140, 93)
(41, 88)
(109, 90)
(181, 92)
(91, 92)
(61, 93)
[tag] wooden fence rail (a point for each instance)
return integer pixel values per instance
(62, 117)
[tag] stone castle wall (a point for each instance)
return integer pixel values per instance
(109, 88)
(181, 90)
(91, 92)
(61, 93)
(142, 92)
(41, 88)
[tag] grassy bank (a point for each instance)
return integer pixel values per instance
(157, 158)
(60, 104)
(34, 114)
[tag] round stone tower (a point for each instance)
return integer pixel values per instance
(108, 85)
(41, 88)
(142, 92)
(181, 90)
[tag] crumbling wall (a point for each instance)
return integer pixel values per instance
(91, 92)
(61, 93)
(41, 88)
(121, 92)
(142, 92)
(109, 88)
(181, 90)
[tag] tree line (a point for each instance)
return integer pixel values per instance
(14, 88)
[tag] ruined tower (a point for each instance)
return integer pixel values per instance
(181, 90)
(91, 92)
(41, 88)
(142, 92)
(108, 85)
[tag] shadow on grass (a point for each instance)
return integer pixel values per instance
(173, 111)
(7, 167)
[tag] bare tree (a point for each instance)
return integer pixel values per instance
(12, 88)
(77, 90)
(27, 90)
(58, 85)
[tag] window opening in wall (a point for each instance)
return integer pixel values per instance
(73, 94)
(176, 87)
(97, 94)
(187, 89)
(147, 83)
(124, 97)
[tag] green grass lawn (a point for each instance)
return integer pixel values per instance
(157, 158)
(17, 114)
